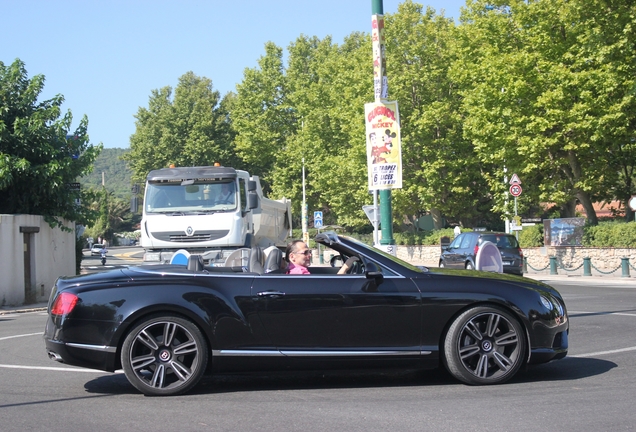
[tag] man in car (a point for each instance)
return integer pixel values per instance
(298, 256)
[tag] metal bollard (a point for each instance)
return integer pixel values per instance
(625, 267)
(553, 265)
(587, 268)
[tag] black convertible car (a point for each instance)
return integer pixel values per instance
(167, 325)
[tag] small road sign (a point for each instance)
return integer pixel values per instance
(317, 219)
(632, 202)
(515, 190)
(515, 179)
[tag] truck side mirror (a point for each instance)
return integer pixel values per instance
(251, 186)
(252, 200)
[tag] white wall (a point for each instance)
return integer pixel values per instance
(53, 256)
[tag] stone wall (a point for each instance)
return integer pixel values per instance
(538, 258)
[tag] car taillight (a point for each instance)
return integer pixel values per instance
(476, 250)
(64, 304)
(520, 253)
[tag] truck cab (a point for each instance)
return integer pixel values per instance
(210, 211)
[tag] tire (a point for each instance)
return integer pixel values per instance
(484, 345)
(164, 355)
(470, 266)
(441, 264)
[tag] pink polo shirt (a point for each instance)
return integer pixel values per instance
(297, 269)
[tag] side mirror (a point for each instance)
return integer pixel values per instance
(373, 272)
(336, 261)
(252, 200)
(251, 186)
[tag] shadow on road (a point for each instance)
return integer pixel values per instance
(569, 368)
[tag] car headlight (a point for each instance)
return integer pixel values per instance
(546, 302)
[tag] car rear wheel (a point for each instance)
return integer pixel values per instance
(165, 355)
(469, 266)
(484, 345)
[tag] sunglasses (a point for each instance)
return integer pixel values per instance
(307, 252)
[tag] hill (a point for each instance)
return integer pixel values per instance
(116, 174)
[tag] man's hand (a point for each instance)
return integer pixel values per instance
(348, 265)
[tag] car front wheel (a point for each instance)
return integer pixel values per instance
(484, 345)
(469, 266)
(165, 355)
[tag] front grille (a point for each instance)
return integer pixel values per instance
(181, 237)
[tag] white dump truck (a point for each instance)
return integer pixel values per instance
(211, 211)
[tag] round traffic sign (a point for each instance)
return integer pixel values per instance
(515, 190)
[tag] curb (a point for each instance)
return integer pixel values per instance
(18, 311)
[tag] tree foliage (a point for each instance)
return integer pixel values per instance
(542, 88)
(39, 156)
(190, 129)
(548, 91)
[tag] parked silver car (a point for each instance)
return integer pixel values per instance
(97, 249)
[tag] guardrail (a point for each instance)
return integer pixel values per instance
(587, 266)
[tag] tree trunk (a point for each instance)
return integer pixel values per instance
(586, 202)
(438, 221)
(568, 209)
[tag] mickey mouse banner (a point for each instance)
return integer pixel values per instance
(384, 149)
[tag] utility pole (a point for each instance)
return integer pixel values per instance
(386, 208)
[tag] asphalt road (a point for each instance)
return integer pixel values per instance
(593, 389)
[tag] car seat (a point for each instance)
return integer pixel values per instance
(255, 263)
(273, 261)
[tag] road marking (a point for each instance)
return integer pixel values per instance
(600, 353)
(58, 369)
(22, 335)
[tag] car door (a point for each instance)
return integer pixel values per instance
(322, 314)
(451, 255)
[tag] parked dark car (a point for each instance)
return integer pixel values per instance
(461, 252)
(167, 325)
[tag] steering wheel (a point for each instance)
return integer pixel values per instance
(357, 267)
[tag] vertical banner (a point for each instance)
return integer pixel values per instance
(380, 81)
(384, 147)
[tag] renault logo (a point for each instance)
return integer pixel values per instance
(189, 231)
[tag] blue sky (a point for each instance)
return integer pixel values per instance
(105, 57)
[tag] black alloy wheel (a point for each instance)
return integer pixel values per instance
(484, 345)
(165, 355)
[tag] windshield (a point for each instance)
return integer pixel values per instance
(197, 197)
(386, 255)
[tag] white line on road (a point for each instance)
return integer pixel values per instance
(22, 335)
(54, 369)
(600, 353)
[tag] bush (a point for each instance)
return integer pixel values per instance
(531, 236)
(611, 234)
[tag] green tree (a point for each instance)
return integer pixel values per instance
(441, 171)
(113, 214)
(39, 156)
(190, 129)
(549, 93)
(261, 117)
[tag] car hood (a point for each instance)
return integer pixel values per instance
(503, 277)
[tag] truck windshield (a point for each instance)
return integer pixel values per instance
(198, 197)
